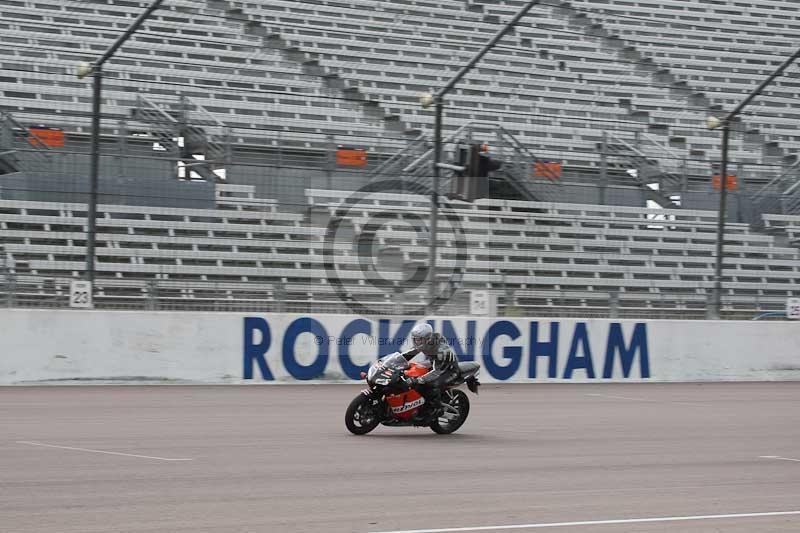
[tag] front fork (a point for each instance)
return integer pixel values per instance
(376, 399)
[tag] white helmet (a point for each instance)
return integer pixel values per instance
(421, 334)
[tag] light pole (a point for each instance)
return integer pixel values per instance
(96, 70)
(725, 124)
(437, 100)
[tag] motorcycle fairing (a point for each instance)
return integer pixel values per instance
(404, 405)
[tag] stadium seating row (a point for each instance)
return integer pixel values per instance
(180, 52)
(532, 249)
(549, 67)
(551, 84)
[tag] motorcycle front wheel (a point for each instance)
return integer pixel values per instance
(457, 400)
(360, 417)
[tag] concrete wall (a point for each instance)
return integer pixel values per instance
(71, 346)
(589, 193)
(127, 181)
(737, 205)
(288, 185)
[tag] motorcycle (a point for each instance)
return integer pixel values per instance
(389, 400)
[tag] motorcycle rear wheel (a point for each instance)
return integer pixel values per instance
(360, 417)
(458, 399)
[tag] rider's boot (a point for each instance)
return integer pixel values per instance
(433, 407)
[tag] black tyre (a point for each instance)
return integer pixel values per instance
(361, 417)
(458, 400)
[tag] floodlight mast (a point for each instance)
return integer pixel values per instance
(715, 311)
(96, 70)
(437, 100)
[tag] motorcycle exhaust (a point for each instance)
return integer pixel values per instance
(473, 384)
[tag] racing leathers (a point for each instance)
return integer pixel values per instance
(444, 367)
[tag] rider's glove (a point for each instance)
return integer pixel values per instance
(412, 382)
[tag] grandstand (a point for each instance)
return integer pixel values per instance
(223, 120)
(541, 258)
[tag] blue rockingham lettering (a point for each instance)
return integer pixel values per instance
(507, 349)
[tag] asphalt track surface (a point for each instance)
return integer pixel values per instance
(278, 459)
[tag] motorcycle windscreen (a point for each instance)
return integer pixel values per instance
(393, 361)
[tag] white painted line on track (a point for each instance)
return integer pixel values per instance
(599, 522)
(613, 397)
(31, 443)
(777, 458)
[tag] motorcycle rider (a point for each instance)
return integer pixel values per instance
(444, 366)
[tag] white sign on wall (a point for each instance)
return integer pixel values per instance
(793, 308)
(41, 345)
(482, 303)
(80, 294)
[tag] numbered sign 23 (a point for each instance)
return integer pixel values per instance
(80, 294)
(482, 303)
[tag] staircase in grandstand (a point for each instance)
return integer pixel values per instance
(781, 195)
(414, 163)
(521, 168)
(21, 149)
(186, 131)
(662, 177)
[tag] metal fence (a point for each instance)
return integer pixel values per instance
(148, 167)
(42, 292)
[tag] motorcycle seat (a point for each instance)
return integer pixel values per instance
(468, 367)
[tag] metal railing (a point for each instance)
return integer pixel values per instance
(22, 148)
(414, 162)
(650, 170)
(36, 291)
(520, 162)
(781, 195)
(394, 165)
